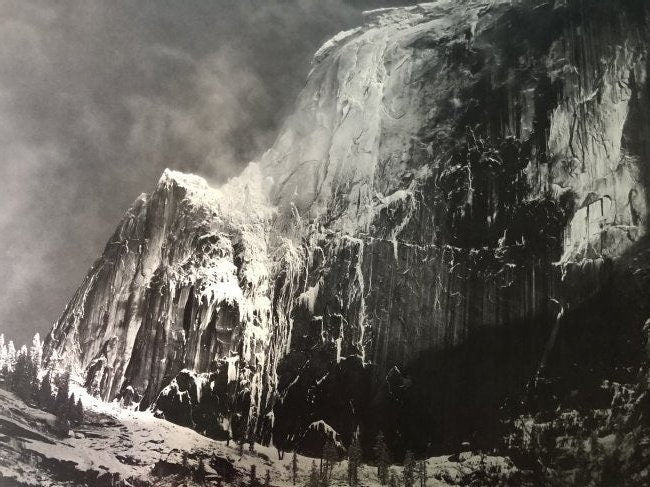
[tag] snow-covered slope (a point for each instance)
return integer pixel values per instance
(397, 245)
(115, 446)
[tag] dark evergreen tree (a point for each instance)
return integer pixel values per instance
(71, 409)
(45, 399)
(31, 380)
(354, 462)
(331, 455)
(253, 476)
(294, 467)
(422, 472)
(582, 474)
(393, 479)
(62, 408)
(382, 457)
(79, 412)
(17, 376)
(62, 394)
(408, 474)
(25, 377)
(267, 478)
(314, 476)
(5, 375)
(62, 380)
(323, 479)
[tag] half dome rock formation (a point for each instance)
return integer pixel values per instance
(456, 198)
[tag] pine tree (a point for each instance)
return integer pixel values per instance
(393, 479)
(314, 476)
(79, 412)
(62, 380)
(331, 455)
(5, 374)
(17, 374)
(323, 479)
(408, 473)
(253, 476)
(62, 393)
(23, 377)
(71, 409)
(267, 478)
(31, 380)
(382, 457)
(62, 404)
(294, 467)
(354, 462)
(45, 400)
(422, 472)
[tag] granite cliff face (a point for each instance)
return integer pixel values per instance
(456, 186)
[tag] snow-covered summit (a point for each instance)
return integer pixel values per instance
(242, 198)
(187, 180)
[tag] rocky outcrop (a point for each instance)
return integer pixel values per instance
(183, 280)
(455, 177)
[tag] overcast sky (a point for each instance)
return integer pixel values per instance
(97, 97)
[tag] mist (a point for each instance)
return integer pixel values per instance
(97, 98)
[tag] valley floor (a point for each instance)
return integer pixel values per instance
(115, 446)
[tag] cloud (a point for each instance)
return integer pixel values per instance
(97, 97)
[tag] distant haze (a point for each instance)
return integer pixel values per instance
(98, 97)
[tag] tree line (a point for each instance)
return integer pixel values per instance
(414, 473)
(23, 373)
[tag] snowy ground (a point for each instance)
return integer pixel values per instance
(115, 446)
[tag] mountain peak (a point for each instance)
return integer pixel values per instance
(408, 219)
(182, 179)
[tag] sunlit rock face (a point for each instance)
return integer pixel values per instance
(183, 281)
(453, 179)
